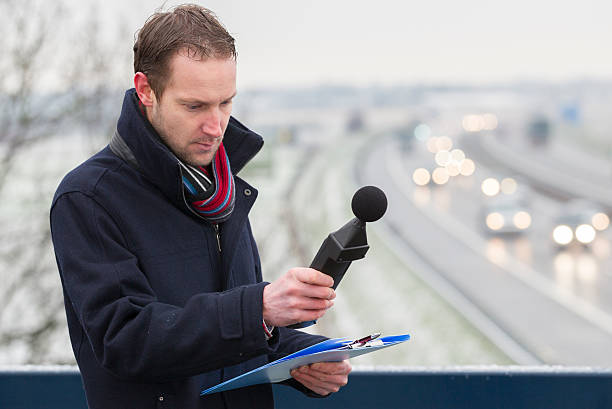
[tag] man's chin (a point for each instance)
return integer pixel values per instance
(199, 160)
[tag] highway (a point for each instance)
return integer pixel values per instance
(550, 306)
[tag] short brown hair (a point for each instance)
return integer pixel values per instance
(186, 27)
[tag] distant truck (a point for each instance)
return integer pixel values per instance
(355, 122)
(538, 131)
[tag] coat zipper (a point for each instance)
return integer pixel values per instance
(218, 234)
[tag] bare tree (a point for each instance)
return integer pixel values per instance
(55, 81)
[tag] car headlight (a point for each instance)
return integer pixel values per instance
(421, 176)
(522, 220)
(490, 186)
(495, 221)
(600, 221)
(563, 234)
(585, 233)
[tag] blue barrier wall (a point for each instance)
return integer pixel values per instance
(468, 387)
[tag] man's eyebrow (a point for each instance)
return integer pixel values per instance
(201, 102)
(232, 96)
(192, 101)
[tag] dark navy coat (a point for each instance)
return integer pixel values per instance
(155, 312)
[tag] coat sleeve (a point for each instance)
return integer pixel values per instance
(289, 340)
(132, 334)
(292, 340)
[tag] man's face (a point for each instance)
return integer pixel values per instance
(193, 112)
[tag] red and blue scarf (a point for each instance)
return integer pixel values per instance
(210, 192)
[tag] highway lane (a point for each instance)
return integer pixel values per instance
(562, 165)
(584, 271)
(506, 279)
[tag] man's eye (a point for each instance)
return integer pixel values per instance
(193, 107)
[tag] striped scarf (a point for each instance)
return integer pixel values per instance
(211, 196)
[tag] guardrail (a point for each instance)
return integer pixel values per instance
(548, 179)
(370, 388)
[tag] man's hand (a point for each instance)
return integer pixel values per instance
(323, 378)
(301, 294)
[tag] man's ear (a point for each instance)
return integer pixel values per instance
(143, 89)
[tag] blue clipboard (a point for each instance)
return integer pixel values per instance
(331, 350)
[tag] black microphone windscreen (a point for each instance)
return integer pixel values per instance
(369, 203)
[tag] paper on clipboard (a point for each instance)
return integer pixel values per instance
(331, 350)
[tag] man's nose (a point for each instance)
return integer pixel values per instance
(212, 124)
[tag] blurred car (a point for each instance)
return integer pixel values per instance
(434, 177)
(505, 214)
(578, 223)
(539, 130)
(500, 184)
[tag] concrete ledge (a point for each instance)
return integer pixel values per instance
(473, 387)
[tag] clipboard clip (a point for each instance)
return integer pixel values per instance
(363, 342)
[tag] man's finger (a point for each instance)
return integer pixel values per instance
(315, 384)
(326, 378)
(314, 277)
(331, 371)
(318, 292)
(305, 302)
(332, 368)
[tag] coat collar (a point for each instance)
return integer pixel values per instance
(142, 147)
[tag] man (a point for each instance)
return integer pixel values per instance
(161, 275)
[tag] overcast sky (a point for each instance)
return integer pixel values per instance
(301, 43)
